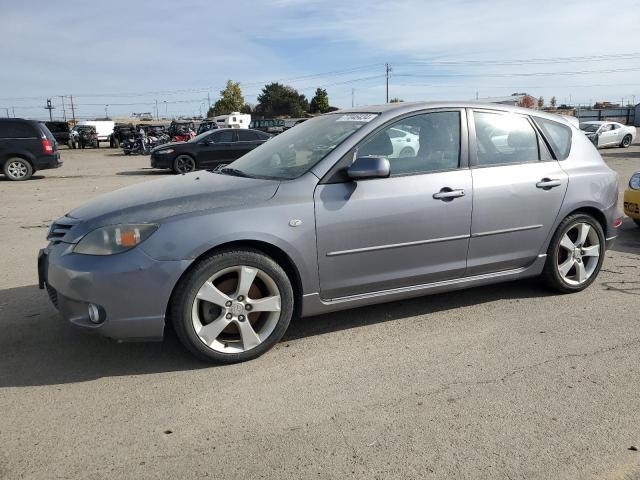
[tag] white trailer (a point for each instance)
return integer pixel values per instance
(104, 128)
(233, 120)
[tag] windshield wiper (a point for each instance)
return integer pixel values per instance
(234, 171)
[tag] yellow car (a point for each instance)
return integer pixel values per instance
(632, 198)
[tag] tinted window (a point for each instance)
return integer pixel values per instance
(503, 138)
(16, 130)
(418, 144)
(223, 136)
(246, 136)
(558, 136)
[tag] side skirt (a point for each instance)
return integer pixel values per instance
(313, 304)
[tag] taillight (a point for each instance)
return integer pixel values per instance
(617, 222)
(47, 146)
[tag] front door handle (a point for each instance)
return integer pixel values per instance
(548, 183)
(447, 194)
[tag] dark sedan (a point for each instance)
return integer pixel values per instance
(208, 150)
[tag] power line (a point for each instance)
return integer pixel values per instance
(518, 74)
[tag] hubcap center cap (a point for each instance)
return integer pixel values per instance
(236, 308)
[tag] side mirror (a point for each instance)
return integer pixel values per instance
(364, 168)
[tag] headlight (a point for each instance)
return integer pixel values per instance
(114, 239)
(168, 150)
(634, 183)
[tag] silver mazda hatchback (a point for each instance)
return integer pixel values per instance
(351, 208)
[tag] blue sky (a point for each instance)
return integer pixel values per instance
(130, 54)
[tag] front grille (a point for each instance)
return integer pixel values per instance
(53, 295)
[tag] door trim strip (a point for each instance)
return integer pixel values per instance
(397, 245)
(506, 230)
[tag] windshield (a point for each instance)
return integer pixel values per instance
(589, 127)
(297, 150)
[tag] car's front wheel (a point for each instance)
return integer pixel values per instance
(184, 164)
(233, 306)
(17, 169)
(575, 254)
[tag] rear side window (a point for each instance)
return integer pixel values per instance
(16, 130)
(503, 138)
(224, 136)
(246, 136)
(558, 136)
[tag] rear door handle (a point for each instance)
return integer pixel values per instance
(548, 183)
(447, 194)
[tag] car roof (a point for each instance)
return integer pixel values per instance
(408, 107)
(594, 123)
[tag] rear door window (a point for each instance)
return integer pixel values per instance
(503, 138)
(246, 136)
(224, 136)
(558, 136)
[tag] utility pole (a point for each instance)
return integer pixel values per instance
(106, 114)
(208, 101)
(387, 70)
(7, 110)
(353, 90)
(73, 112)
(64, 112)
(13, 112)
(157, 113)
(48, 107)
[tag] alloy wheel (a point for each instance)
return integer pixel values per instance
(578, 254)
(236, 309)
(185, 164)
(17, 170)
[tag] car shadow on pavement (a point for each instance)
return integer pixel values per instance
(40, 348)
(146, 171)
(622, 154)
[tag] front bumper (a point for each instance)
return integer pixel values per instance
(131, 289)
(161, 161)
(632, 203)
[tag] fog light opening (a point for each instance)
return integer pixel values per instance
(95, 314)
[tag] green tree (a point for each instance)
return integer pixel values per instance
(540, 102)
(231, 100)
(320, 102)
(246, 108)
(553, 102)
(396, 100)
(281, 100)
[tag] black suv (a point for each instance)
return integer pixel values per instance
(60, 131)
(25, 147)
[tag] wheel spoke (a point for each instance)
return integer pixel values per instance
(566, 243)
(591, 251)
(266, 304)
(581, 272)
(583, 231)
(564, 267)
(211, 331)
(249, 337)
(211, 294)
(246, 277)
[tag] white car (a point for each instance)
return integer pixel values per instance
(609, 134)
(405, 144)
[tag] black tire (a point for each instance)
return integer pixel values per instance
(184, 164)
(17, 169)
(185, 294)
(637, 222)
(626, 141)
(97, 144)
(116, 142)
(407, 152)
(550, 275)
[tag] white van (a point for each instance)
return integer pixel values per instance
(233, 120)
(104, 128)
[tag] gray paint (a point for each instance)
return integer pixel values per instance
(353, 243)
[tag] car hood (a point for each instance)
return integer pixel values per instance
(155, 201)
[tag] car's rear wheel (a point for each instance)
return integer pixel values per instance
(575, 254)
(184, 164)
(233, 306)
(626, 141)
(407, 152)
(17, 169)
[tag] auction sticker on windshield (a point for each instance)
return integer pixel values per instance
(357, 117)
